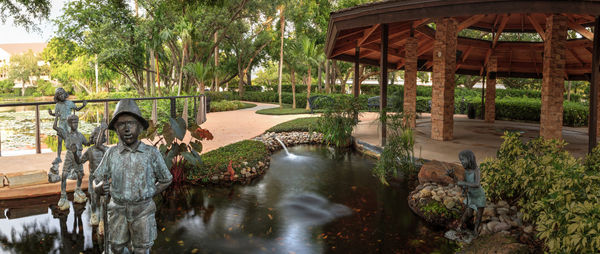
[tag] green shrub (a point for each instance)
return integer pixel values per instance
(559, 193)
(299, 124)
(528, 109)
(45, 88)
(216, 161)
(6, 86)
(224, 105)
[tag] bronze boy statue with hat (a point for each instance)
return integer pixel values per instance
(133, 173)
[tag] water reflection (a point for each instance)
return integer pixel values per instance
(322, 201)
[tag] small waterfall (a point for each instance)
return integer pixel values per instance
(283, 145)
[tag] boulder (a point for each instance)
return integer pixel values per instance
(502, 226)
(437, 172)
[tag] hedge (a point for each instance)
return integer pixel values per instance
(527, 109)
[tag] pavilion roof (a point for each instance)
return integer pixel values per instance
(361, 26)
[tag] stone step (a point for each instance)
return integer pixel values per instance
(27, 178)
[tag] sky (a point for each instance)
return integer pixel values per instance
(13, 34)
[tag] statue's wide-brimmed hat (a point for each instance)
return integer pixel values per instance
(127, 106)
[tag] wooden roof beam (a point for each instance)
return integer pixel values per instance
(421, 22)
(581, 62)
(580, 29)
(469, 22)
(537, 27)
(367, 33)
(343, 49)
(500, 29)
(425, 48)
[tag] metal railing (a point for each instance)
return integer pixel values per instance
(173, 111)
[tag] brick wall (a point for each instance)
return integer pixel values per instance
(490, 91)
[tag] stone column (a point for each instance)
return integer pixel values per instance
(551, 118)
(444, 65)
(490, 90)
(410, 81)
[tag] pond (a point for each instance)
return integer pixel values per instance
(316, 200)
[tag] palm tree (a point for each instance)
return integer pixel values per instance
(202, 72)
(311, 56)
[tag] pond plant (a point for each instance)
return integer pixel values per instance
(338, 121)
(397, 158)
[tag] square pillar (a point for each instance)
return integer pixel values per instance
(383, 70)
(490, 90)
(444, 66)
(410, 81)
(551, 118)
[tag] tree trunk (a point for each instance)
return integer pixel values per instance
(308, 81)
(327, 77)
(293, 77)
(249, 76)
(216, 84)
(181, 69)
(319, 87)
(334, 73)
(280, 74)
(569, 92)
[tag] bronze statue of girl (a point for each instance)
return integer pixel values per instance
(475, 196)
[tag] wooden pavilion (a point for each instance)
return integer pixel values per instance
(418, 35)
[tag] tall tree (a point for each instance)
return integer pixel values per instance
(24, 13)
(23, 67)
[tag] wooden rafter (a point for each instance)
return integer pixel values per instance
(469, 22)
(425, 48)
(367, 33)
(533, 59)
(537, 27)
(421, 22)
(580, 29)
(467, 53)
(400, 64)
(579, 60)
(500, 29)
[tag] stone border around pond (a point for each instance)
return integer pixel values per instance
(246, 172)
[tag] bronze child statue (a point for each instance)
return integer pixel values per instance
(132, 174)
(75, 141)
(475, 196)
(94, 155)
(63, 109)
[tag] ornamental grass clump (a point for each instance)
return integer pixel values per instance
(338, 121)
(398, 154)
(557, 192)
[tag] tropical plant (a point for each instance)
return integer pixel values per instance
(178, 155)
(338, 120)
(398, 154)
(202, 72)
(557, 192)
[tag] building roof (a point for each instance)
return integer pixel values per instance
(18, 48)
(361, 26)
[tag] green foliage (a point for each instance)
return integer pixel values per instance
(6, 86)
(216, 161)
(225, 105)
(51, 141)
(528, 109)
(44, 88)
(559, 193)
(338, 121)
(177, 154)
(307, 124)
(24, 13)
(397, 156)
(437, 209)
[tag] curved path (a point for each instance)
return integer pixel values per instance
(227, 127)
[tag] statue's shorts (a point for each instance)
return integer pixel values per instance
(132, 222)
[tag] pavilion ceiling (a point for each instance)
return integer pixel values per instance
(361, 27)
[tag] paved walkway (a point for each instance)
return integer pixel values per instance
(482, 138)
(227, 127)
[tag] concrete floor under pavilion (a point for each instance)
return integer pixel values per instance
(482, 138)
